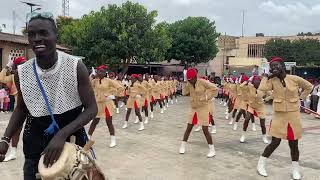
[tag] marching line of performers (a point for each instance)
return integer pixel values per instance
(138, 93)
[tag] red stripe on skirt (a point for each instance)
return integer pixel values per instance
(136, 105)
(290, 134)
(146, 103)
(153, 99)
(106, 110)
(195, 119)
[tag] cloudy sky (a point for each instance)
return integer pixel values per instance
(271, 17)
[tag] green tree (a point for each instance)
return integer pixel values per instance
(193, 40)
(117, 35)
(62, 21)
(305, 52)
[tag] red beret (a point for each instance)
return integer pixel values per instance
(255, 78)
(134, 75)
(102, 67)
(234, 79)
(202, 77)
(191, 73)
(276, 59)
(19, 60)
(244, 78)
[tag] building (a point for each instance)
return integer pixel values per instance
(12, 46)
(243, 54)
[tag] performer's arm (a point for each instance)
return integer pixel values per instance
(265, 84)
(185, 89)
(212, 90)
(3, 76)
(305, 85)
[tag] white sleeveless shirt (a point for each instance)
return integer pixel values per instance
(60, 85)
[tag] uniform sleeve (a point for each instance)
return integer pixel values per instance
(118, 87)
(305, 85)
(3, 76)
(185, 90)
(212, 90)
(265, 84)
(142, 89)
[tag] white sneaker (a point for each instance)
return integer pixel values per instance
(243, 137)
(151, 115)
(117, 110)
(235, 126)
(182, 149)
(12, 155)
(295, 170)
(137, 120)
(161, 112)
(121, 105)
(197, 129)
(171, 101)
(176, 100)
(213, 130)
(167, 105)
(254, 127)
(221, 102)
(126, 108)
(261, 166)
(212, 151)
(231, 121)
(125, 125)
(146, 121)
(141, 126)
(227, 117)
(225, 104)
(113, 142)
(265, 139)
(164, 108)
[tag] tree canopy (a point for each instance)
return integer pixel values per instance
(305, 52)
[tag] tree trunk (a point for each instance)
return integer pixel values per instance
(126, 64)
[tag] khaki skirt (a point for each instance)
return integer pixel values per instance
(105, 109)
(258, 112)
(199, 116)
(286, 125)
(134, 103)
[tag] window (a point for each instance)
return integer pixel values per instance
(255, 50)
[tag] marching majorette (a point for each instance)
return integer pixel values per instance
(146, 96)
(9, 79)
(105, 90)
(201, 92)
(233, 103)
(256, 106)
(135, 92)
(286, 117)
(174, 88)
(242, 101)
(156, 96)
(119, 95)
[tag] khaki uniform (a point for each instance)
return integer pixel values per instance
(256, 105)
(147, 95)
(103, 88)
(134, 102)
(120, 93)
(286, 119)
(174, 85)
(9, 80)
(201, 98)
(243, 96)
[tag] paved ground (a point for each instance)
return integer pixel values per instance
(153, 153)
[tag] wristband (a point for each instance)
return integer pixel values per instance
(4, 138)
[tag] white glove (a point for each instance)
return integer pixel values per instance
(250, 79)
(110, 97)
(93, 71)
(10, 62)
(138, 96)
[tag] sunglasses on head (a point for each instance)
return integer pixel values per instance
(45, 15)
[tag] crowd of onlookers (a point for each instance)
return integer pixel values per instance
(6, 100)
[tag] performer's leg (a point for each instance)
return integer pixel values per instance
(245, 127)
(14, 145)
(30, 169)
(93, 126)
(212, 151)
(138, 114)
(111, 131)
(185, 138)
(294, 149)
(146, 113)
(128, 114)
(275, 142)
(213, 127)
(235, 125)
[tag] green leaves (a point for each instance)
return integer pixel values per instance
(305, 52)
(194, 40)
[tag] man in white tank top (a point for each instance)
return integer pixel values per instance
(66, 84)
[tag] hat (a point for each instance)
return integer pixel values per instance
(244, 78)
(135, 75)
(276, 59)
(102, 67)
(19, 60)
(191, 73)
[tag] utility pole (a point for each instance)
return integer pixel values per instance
(65, 8)
(14, 21)
(224, 53)
(31, 10)
(243, 23)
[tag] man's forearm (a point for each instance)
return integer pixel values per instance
(83, 119)
(16, 121)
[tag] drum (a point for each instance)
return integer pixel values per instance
(73, 164)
